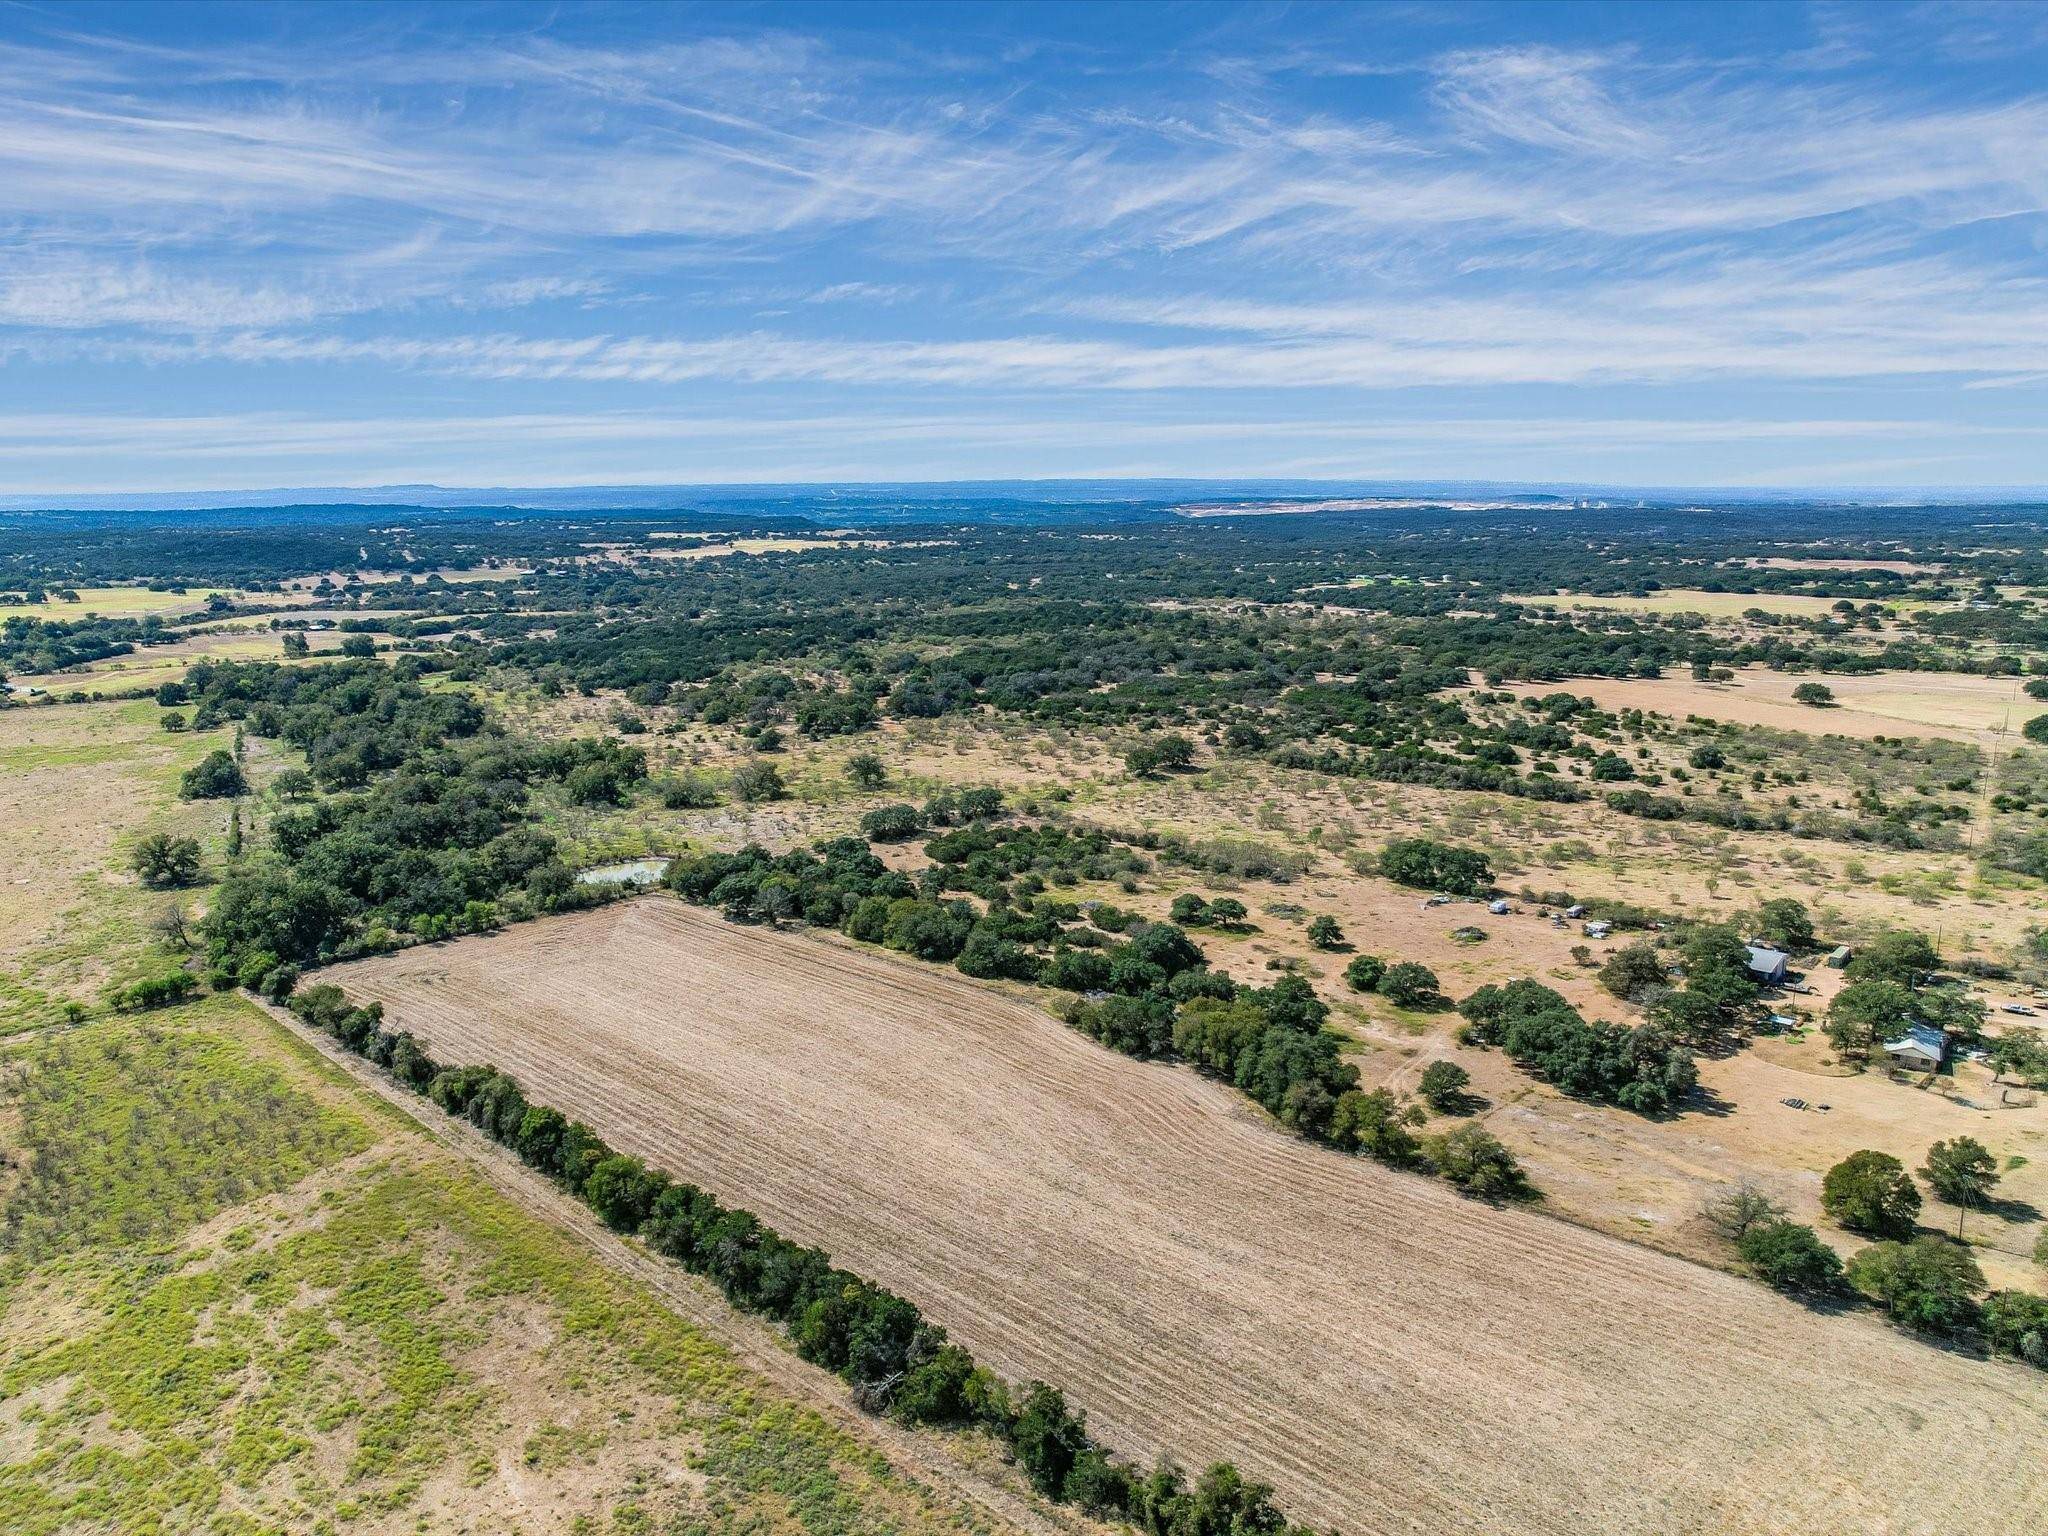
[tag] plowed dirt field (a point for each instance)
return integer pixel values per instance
(1393, 1357)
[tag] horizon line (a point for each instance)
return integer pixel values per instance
(387, 493)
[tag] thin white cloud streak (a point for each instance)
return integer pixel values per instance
(258, 435)
(65, 295)
(1792, 320)
(71, 150)
(1552, 219)
(1533, 143)
(55, 456)
(1471, 344)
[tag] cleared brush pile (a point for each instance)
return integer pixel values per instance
(1386, 1353)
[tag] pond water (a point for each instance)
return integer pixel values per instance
(630, 872)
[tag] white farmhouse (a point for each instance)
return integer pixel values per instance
(1920, 1049)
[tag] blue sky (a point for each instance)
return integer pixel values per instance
(494, 245)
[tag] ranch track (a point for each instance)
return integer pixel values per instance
(1393, 1357)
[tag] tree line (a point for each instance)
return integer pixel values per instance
(897, 1361)
(1923, 1281)
(429, 831)
(1139, 987)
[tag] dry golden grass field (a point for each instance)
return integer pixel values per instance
(1393, 1357)
(241, 1294)
(1958, 706)
(1805, 563)
(599, 554)
(112, 603)
(1638, 1178)
(149, 666)
(296, 589)
(1855, 889)
(712, 550)
(1718, 605)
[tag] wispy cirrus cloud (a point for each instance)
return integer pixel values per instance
(729, 140)
(37, 434)
(69, 295)
(688, 204)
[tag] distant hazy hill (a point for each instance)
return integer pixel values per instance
(995, 501)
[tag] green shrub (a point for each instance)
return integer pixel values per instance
(891, 823)
(1432, 866)
(2016, 1323)
(1475, 1160)
(217, 776)
(1928, 1283)
(1364, 972)
(1409, 985)
(1871, 1193)
(154, 991)
(1790, 1257)
(1443, 1085)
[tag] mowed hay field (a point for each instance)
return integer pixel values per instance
(1957, 706)
(111, 603)
(1714, 605)
(1393, 1357)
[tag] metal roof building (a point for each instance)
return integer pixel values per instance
(1767, 965)
(1920, 1046)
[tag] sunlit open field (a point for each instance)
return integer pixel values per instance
(111, 603)
(1391, 1355)
(762, 546)
(1722, 605)
(1958, 705)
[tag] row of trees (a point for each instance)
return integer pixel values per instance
(1142, 988)
(1644, 1069)
(1892, 830)
(897, 1361)
(1272, 1044)
(430, 831)
(29, 644)
(995, 861)
(1920, 1280)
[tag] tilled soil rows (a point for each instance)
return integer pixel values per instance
(1391, 1356)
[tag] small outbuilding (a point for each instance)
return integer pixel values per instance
(1767, 966)
(1598, 930)
(1838, 957)
(1921, 1048)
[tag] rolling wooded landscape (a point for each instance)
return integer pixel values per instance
(1215, 769)
(1168, 1045)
